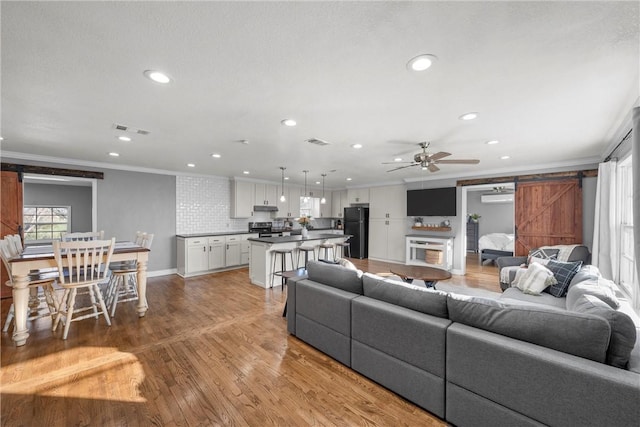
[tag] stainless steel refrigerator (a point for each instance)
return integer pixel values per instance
(356, 223)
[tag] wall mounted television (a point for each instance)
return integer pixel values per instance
(432, 202)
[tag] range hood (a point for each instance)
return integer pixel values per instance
(497, 198)
(265, 208)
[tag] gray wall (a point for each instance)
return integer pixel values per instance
(78, 197)
(133, 201)
(496, 217)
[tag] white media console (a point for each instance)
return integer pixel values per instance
(429, 251)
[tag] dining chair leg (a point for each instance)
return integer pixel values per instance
(7, 322)
(114, 298)
(105, 314)
(64, 300)
(70, 305)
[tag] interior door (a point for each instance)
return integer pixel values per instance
(548, 213)
(11, 218)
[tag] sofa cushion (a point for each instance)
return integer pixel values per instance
(335, 276)
(600, 288)
(580, 334)
(563, 272)
(418, 298)
(516, 296)
(586, 272)
(623, 331)
(534, 279)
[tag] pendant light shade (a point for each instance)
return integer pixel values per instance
(282, 198)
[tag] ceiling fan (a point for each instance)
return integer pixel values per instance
(428, 161)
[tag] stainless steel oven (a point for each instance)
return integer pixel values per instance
(263, 229)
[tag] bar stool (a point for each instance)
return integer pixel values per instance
(344, 247)
(306, 250)
(283, 262)
(327, 246)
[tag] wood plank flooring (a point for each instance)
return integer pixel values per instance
(212, 350)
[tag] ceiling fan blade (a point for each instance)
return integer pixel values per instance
(393, 163)
(439, 155)
(433, 168)
(402, 167)
(460, 161)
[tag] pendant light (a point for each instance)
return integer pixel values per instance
(306, 198)
(323, 200)
(282, 198)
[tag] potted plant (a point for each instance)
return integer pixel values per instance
(417, 221)
(474, 217)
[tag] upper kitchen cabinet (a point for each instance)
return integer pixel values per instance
(325, 208)
(357, 195)
(242, 199)
(290, 208)
(388, 202)
(338, 203)
(265, 194)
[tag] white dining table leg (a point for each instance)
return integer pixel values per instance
(142, 286)
(20, 293)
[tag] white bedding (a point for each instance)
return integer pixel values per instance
(497, 241)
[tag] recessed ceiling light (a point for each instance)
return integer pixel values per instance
(286, 178)
(397, 159)
(245, 172)
(318, 182)
(114, 154)
(216, 155)
(1, 138)
(157, 76)
(468, 116)
(348, 179)
(505, 157)
(493, 142)
(421, 62)
(288, 122)
(356, 146)
(124, 138)
(191, 165)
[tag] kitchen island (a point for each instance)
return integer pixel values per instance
(261, 264)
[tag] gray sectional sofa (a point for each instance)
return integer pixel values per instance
(474, 361)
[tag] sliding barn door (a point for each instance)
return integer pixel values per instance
(11, 221)
(548, 213)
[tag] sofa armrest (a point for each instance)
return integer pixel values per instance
(291, 303)
(510, 261)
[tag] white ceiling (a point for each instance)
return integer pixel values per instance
(552, 82)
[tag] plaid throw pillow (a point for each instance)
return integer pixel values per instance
(563, 272)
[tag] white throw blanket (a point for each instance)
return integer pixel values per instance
(565, 251)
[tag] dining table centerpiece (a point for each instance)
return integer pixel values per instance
(305, 222)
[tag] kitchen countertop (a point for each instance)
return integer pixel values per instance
(296, 238)
(295, 231)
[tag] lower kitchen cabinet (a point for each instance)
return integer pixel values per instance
(200, 255)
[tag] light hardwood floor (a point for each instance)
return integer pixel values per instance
(212, 350)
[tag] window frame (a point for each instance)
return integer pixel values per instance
(51, 223)
(626, 268)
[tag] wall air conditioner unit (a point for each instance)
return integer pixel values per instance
(497, 198)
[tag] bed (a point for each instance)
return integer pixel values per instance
(495, 245)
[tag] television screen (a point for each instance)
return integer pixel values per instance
(432, 202)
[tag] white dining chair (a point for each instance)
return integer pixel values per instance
(37, 281)
(123, 285)
(84, 262)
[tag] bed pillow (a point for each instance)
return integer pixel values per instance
(534, 279)
(563, 272)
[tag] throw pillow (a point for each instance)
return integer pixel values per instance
(535, 279)
(347, 264)
(543, 254)
(534, 259)
(563, 272)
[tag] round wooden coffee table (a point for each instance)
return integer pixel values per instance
(430, 275)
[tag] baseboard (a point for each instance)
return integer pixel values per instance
(158, 273)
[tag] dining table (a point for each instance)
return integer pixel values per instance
(40, 256)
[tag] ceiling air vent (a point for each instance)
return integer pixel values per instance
(317, 141)
(130, 129)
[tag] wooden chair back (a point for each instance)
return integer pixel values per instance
(83, 236)
(86, 260)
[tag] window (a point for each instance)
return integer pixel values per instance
(626, 266)
(46, 222)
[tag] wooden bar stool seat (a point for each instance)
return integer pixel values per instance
(327, 246)
(306, 250)
(345, 247)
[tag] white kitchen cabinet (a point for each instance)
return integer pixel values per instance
(245, 246)
(325, 208)
(387, 239)
(290, 208)
(197, 255)
(216, 252)
(388, 202)
(357, 195)
(265, 194)
(242, 199)
(233, 250)
(338, 203)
